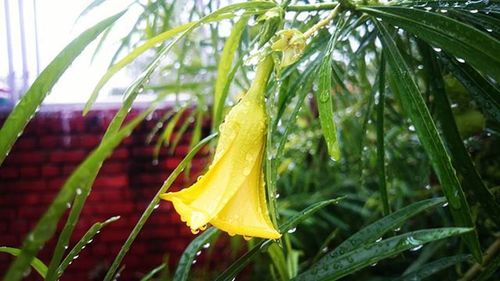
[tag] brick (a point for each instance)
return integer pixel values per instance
(8, 172)
(50, 171)
(114, 167)
(172, 163)
(74, 156)
(111, 181)
(120, 154)
(50, 141)
(88, 140)
(29, 171)
(25, 143)
(24, 157)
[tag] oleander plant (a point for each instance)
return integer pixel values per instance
(351, 139)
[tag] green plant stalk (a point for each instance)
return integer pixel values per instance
(380, 139)
(150, 208)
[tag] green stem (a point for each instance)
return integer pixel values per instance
(258, 87)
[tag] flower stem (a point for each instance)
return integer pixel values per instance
(258, 87)
(322, 22)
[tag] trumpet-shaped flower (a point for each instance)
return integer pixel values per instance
(231, 195)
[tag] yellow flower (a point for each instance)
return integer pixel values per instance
(231, 195)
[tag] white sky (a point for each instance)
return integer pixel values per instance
(56, 28)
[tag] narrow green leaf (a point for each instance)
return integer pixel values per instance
(86, 239)
(36, 263)
(31, 100)
(486, 94)
(153, 272)
(164, 138)
(325, 108)
(415, 107)
(224, 67)
(429, 269)
(188, 256)
(380, 105)
(388, 223)
(461, 159)
(180, 132)
(461, 40)
(150, 208)
(367, 255)
(245, 259)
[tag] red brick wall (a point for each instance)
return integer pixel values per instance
(51, 147)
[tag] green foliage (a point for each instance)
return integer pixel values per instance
(390, 107)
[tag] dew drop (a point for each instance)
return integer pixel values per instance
(78, 191)
(416, 248)
(428, 187)
(445, 205)
(194, 261)
(474, 11)
(206, 246)
(411, 128)
(437, 49)
(292, 230)
(75, 257)
(68, 205)
(460, 60)
(198, 253)
(156, 206)
(378, 240)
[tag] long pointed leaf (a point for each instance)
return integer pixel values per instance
(463, 41)
(367, 255)
(36, 263)
(188, 256)
(414, 105)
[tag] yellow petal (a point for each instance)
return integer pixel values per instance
(241, 138)
(246, 213)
